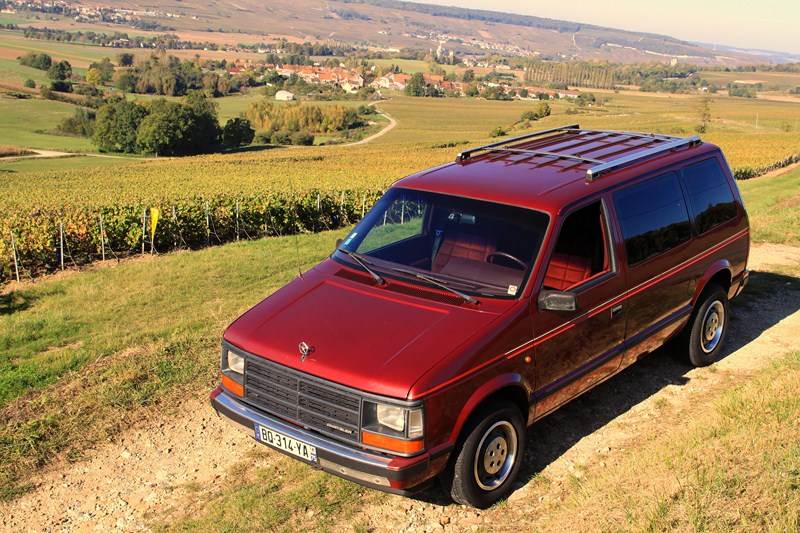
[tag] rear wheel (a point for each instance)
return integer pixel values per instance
(486, 461)
(707, 329)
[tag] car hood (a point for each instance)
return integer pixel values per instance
(360, 335)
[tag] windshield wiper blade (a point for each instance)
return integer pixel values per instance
(363, 263)
(438, 283)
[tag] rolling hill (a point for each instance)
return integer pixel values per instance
(394, 24)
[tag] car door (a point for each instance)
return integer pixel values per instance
(657, 245)
(575, 349)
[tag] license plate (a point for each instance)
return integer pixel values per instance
(288, 444)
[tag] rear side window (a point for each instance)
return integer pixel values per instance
(709, 194)
(653, 217)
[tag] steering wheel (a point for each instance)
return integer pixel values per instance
(510, 257)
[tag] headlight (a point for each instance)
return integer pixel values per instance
(393, 427)
(235, 363)
(391, 417)
(232, 371)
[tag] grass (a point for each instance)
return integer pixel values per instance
(25, 120)
(779, 80)
(733, 465)
(12, 71)
(79, 55)
(270, 492)
(773, 204)
(13, 151)
(107, 342)
(411, 66)
(51, 164)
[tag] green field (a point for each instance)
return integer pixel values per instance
(25, 122)
(770, 80)
(410, 66)
(79, 55)
(773, 205)
(12, 71)
(60, 164)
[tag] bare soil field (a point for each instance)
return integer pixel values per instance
(153, 473)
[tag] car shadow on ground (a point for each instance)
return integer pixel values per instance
(550, 438)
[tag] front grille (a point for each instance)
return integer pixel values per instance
(303, 399)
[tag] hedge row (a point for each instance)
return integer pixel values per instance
(188, 223)
(745, 173)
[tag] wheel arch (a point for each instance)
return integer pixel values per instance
(509, 387)
(718, 273)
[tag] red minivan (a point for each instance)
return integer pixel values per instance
(478, 296)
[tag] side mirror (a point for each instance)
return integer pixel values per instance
(557, 301)
(338, 243)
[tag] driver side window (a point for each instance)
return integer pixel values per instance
(581, 251)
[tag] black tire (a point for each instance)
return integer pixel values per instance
(488, 456)
(707, 329)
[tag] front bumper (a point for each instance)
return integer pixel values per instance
(398, 475)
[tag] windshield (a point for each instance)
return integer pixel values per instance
(479, 247)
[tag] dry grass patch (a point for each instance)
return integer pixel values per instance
(13, 151)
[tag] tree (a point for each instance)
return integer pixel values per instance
(542, 110)
(204, 131)
(62, 86)
(37, 61)
(237, 131)
(29, 83)
(116, 126)
(704, 113)
(416, 85)
(434, 68)
(81, 123)
(162, 131)
(94, 76)
(60, 71)
(125, 82)
(125, 59)
(468, 76)
(105, 69)
(585, 99)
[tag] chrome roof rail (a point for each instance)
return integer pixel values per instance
(466, 154)
(595, 172)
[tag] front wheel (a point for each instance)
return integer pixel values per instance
(486, 461)
(708, 327)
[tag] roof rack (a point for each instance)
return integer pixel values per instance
(466, 154)
(663, 143)
(595, 172)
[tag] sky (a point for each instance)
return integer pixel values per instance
(762, 24)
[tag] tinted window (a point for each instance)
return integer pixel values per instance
(653, 217)
(709, 194)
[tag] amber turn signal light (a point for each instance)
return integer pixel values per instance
(232, 386)
(391, 443)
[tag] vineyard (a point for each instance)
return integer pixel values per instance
(55, 215)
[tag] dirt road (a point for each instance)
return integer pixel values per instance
(149, 471)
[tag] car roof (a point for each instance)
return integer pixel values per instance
(552, 169)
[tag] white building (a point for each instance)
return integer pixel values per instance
(285, 95)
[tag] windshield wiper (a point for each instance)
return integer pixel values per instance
(363, 262)
(438, 283)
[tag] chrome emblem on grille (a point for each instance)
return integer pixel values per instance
(305, 351)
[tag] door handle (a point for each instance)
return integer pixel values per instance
(617, 309)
